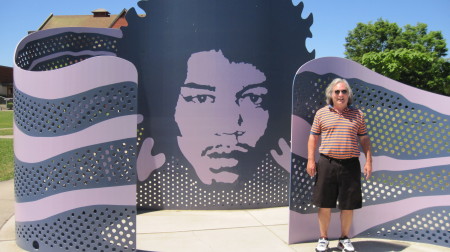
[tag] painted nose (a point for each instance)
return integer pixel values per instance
(231, 124)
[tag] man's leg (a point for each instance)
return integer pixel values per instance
(324, 221)
(346, 222)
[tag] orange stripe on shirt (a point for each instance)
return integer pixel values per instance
(339, 131)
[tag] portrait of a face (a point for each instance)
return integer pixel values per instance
(221, 114)
(214, 100)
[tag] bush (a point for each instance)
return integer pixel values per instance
(9, 105)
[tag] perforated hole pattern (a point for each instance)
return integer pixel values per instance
(40, 117)
(95, 228)
(301, 187)
(393, 124)
(94, 166)
(59, 62)
(397, 127)
(109, 228)
(430, 225)
(383, 187)
(173, 187)
(63, 42)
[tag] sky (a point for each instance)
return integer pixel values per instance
(333, 19)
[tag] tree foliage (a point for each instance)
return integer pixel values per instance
(411, 55)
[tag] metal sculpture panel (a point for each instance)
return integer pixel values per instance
(215, 80)
(74, 142)
(408, 196)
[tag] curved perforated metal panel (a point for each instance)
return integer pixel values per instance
(67, 115)
(410, 138)
(398, 127)
(393, 124)
(89, 167)
(62, 49)
(99, 228)
(75, 142)
(430, 225)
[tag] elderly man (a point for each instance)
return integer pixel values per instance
(338, 169)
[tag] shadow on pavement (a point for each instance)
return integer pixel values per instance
(376, 246)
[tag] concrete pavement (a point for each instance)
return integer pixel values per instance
(262, 230)
(7, 232)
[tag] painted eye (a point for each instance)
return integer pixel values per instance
(200, 98)
(254, 98)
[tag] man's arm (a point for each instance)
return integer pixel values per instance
(312, 147)
(365, 144)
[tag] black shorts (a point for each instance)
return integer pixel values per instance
(338, 180)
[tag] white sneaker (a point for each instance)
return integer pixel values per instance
(346, 245)
(322, 245)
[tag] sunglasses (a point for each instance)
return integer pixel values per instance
(340, 91)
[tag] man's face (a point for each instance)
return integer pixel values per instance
(221, 114)
(340, 95)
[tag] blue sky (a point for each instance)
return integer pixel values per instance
(332, 18)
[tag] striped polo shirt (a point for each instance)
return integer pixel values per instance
(339, 132)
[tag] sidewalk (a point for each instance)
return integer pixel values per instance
(262, 230)
(7, 236)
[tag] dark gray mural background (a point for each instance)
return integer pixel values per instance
(215, 82)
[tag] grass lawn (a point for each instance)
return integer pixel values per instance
(6, 159)
(6, 119)
(6, 132)
(6, 146)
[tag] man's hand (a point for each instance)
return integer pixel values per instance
(311, 168)
(368, 170)
(365, 144)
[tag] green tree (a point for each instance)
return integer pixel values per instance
(411, 55)
(365, 38)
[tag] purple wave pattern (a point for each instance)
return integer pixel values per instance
(304, 227)
(370, 216)
(111, 130)
(299, 137)
(82, 59)
(39, 209)
(96, 72)
(52, 32)
(350, 69)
